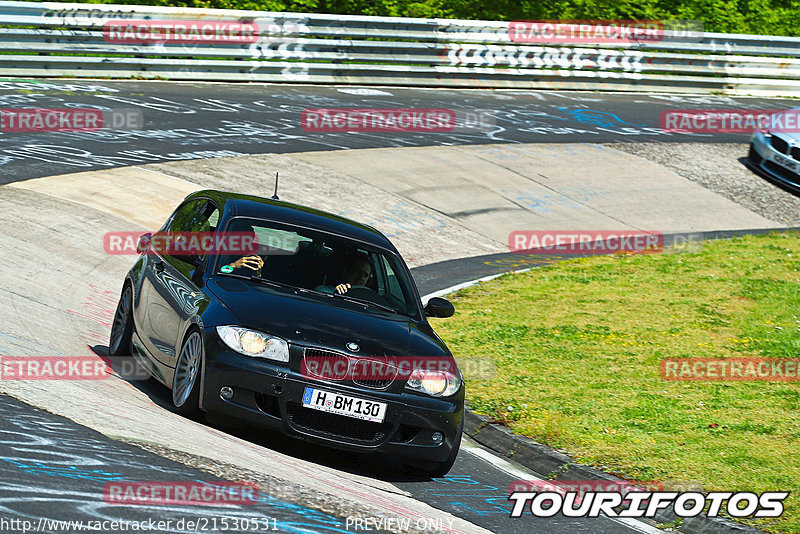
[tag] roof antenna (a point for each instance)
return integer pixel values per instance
(275, 196)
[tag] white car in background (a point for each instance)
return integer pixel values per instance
(776, 155)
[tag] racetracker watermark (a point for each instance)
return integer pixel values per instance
(29, 120)
(730, 120)
(584, 241)
(71, 368)
(193, 243)
(343, 367)
(53, 368)
(179, 31)
(180, 493)
(603, 31)
(394, 120)
(683, 504)
(125, 367)
(731, 369)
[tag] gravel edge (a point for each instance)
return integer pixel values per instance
(721, 168)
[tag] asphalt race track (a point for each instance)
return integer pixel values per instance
(60, 440)
(188, 120)
(55, 469)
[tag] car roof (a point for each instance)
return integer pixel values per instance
(236, 204)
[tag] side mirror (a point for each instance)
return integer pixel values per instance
(439, 307)
(143, 243)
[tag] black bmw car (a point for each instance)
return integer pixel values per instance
(317, 331)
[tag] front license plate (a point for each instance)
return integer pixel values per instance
(327, 401)
(786, 162)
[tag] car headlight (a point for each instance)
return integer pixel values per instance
(434, 383)
(255, 344)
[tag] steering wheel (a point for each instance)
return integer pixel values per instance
(365, 293)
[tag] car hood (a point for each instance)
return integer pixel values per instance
(313, 320)
(795, 136)
(790, 131)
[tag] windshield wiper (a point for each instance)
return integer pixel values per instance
(314, 292)
(348, 298)
(273, 283)
(365, 302)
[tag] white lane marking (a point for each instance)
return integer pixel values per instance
(364, 92)
(456, 287)
(505, 466)
(500, 463)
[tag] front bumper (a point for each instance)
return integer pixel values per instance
(777, 166)
(269, 395)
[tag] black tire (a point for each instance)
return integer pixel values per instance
(119, 342)
(186, 379)
(436, 469)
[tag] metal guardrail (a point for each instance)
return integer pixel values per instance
(57, 39)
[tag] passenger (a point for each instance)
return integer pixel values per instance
(251, 262)
(254, 261)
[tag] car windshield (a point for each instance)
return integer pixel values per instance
(319, 262)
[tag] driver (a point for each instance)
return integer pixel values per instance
(356, 274)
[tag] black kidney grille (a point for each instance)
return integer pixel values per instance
(779, 144)
(374, 373)
(325, 364)
(329, 365)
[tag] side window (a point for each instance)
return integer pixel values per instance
(201, 220)
(213, 220)
(393, 284)
(195, 216)
(206, 220)
(184, 215)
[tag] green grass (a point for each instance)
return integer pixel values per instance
(577, 345)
